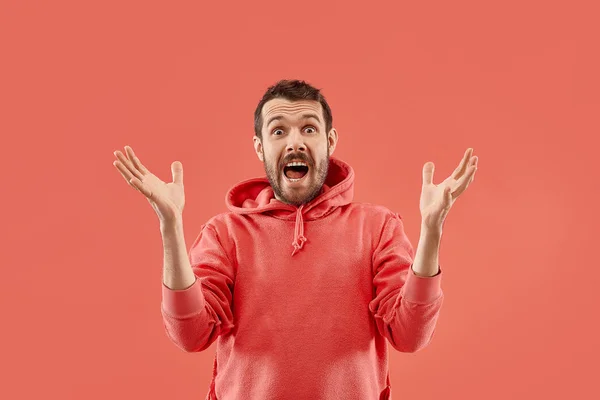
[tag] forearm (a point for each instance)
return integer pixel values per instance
(426, 262)
(177, 271)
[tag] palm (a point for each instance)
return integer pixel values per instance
(165, 195)
(436, 200)
(167, 199)
(432, 196)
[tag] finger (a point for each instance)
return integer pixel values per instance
(463, 164)
(474, 160)
(448, 196)
(127, 163)
(127, 175)
(177, 172)
(472, 169)
(136, 183)
(428, 170)
(472, 178)
(464, 181)
(135, 161)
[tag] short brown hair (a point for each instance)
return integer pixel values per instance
(292, 90)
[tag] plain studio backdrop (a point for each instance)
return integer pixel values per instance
(408, 82)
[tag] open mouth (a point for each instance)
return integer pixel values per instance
(295, 171)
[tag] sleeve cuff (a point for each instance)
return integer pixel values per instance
(183, 302)
(422, 289)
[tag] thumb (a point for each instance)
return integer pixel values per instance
(177, 171)
(428, 169)
(448, 196)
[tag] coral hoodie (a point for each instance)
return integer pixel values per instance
(301, 300)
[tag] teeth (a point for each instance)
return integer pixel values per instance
(296, 164)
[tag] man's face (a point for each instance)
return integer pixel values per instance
(295, 131)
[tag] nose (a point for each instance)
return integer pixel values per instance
(295, 142)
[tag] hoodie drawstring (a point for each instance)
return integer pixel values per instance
(299, 237)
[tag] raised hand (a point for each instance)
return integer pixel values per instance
(436, 200)
(167, 199)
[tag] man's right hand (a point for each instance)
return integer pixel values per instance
(167, 199)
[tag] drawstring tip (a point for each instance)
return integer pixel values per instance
(298, 244)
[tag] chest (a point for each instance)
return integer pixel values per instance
(335, 260)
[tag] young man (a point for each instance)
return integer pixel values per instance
(299, 285)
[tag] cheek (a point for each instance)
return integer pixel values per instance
(322, 155)
(271, 160)
(270, 154)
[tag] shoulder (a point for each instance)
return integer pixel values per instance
(221, 222)
(374, 211)
(374, 218)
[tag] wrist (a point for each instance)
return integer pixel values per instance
(431, 232)
(171, 225)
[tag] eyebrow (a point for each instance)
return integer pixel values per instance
(304, 116)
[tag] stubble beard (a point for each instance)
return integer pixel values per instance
(296, 197)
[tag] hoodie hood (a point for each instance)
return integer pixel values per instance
(254, 196)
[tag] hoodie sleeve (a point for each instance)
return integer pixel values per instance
(406, 306)
(194, 317)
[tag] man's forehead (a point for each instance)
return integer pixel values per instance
(291, 109)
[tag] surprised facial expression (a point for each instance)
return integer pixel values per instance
(295, 149)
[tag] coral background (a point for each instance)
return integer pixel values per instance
(408, 82)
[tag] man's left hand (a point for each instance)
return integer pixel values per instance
(436, 200)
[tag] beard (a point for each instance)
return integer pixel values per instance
(302, 194)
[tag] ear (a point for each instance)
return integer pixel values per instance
(258, 148)
(332, 140)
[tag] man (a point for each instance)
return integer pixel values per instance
(299, 285)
